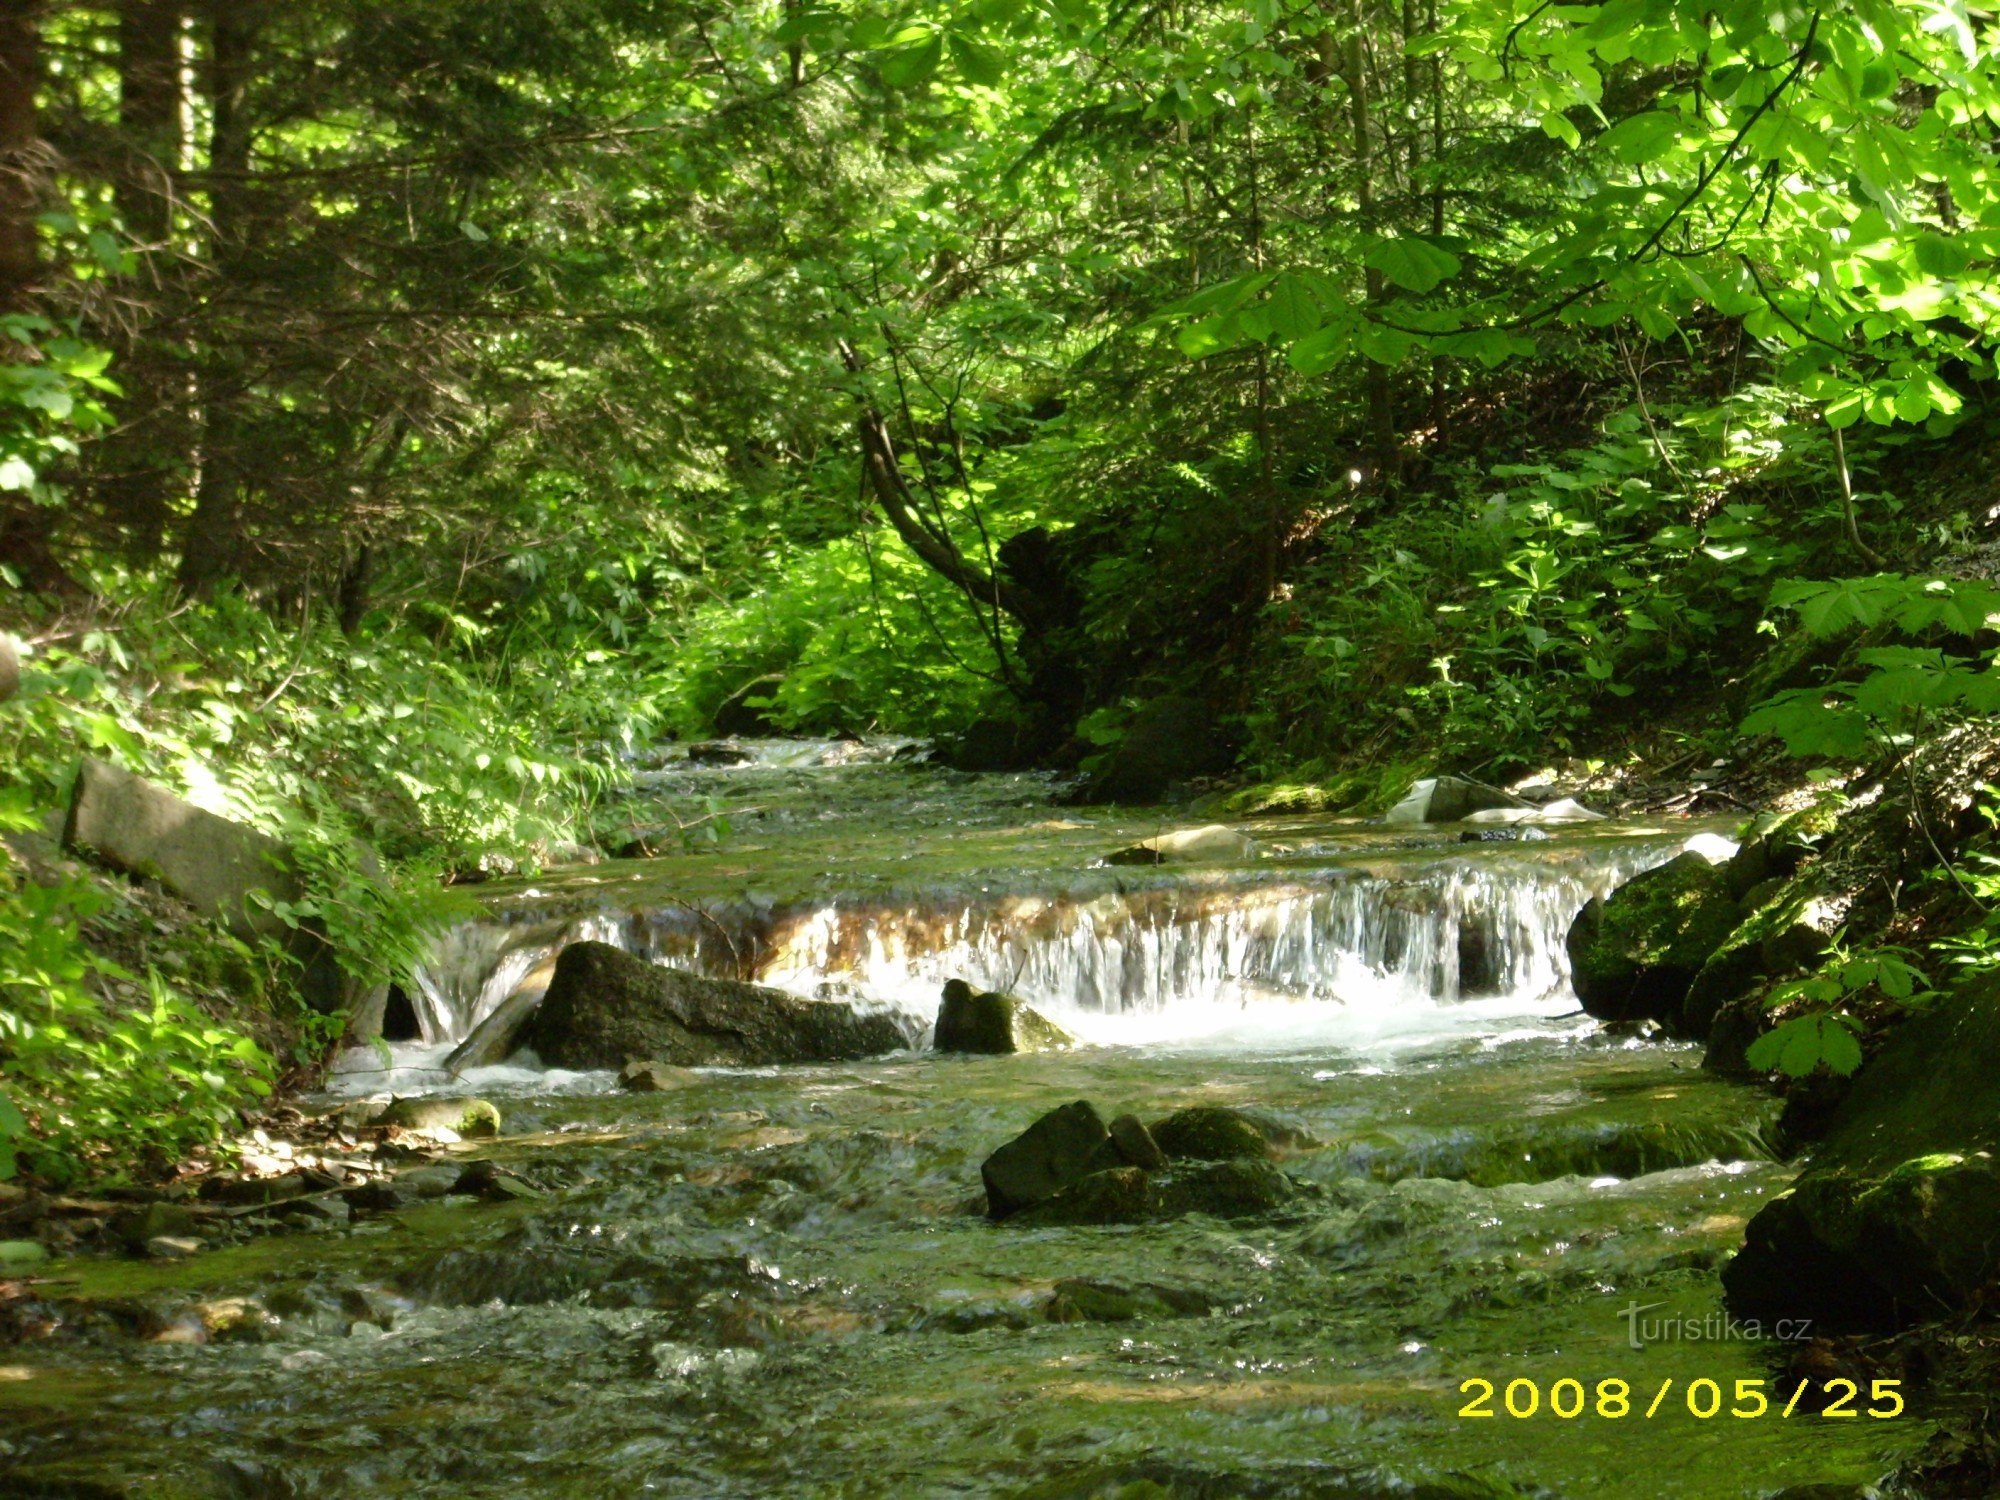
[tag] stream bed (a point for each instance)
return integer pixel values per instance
(782, 1281)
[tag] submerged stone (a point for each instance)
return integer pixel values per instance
(1082, 1299)
(464, 1117)
(1062, 1147)
(1210, 1133)
(648, 1077)
(992, 1023)
(605, 1008)
(1216, 841)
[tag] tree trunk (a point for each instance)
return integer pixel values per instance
(136, 465)
(149, 116)
(1381, 395)
(212, 543)
(23, 167)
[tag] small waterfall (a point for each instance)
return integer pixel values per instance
(1374, 937)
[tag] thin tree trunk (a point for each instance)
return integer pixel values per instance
(1381, 396)
(212, 542)
(22, 164)
(137, 463)
(149, 115)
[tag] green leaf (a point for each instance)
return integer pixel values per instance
(1640, 139)
(1293, 308)
(977, 62)
(1414, 264)
(913, 64)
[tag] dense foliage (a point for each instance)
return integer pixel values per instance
(410, 411)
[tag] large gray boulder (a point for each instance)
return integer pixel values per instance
(1449, 799)
(605, 1008)
(214, 865)
(969, 1020)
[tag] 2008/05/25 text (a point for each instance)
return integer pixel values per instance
(1612, 1399)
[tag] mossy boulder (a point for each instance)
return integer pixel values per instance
(1061, 1148)
(1894, 1219)
(1116, 1195)
(1130, 1195)
(991, 1023)
(1226, 1190)
(1211, 1133)
(467, 1118)
(1634, 954)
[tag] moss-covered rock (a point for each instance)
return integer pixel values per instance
(1226, 1190)
(464, 1117)
(1211, 1133)
(1634, 954)
(1894, 1220)
(1117, 1195)
(1062, 1147)
(992, 1023)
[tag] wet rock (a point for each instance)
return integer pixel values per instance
(718, 753)
(1562, 810)
(489, 1180)
(1135, 1144)
(1088, 1300)
(433, 1181)
(1217, 841)
(465, 1118)
(374, 1305)
(1634, 955)
(1211, 1133)
(737, 715)
(604, 1008)
(236, 1319)
(328, 1212)
(1450, 799)
(172, 1247)
(1226, 1190)
(380, 1197)
(495, 1038)
(1893, 1220)
(1520, 835)
(17, 1253)
(654, 1077)
(1169, 742)
(991, 1023)
(1062, 1147)
(1117, 1195)
(136, 1228)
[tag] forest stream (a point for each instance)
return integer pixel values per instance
(782, 1280)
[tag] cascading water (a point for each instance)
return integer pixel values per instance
(1115, 958)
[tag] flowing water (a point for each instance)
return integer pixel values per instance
(779, 1281)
